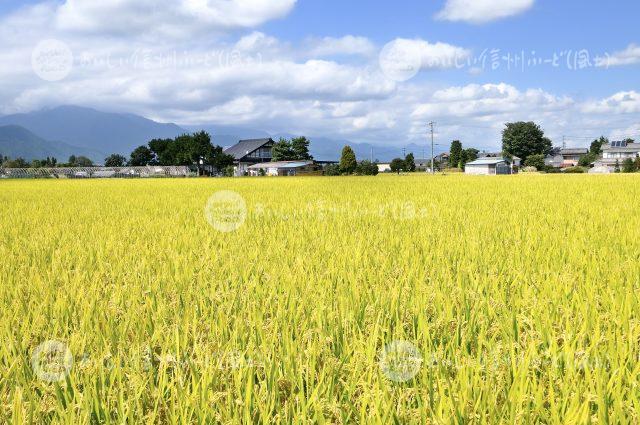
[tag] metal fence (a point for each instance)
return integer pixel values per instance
(97, 172)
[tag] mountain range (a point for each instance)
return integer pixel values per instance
(73, 130)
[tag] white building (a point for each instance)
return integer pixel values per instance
(489, 167)
(384, 167)
(285, 168)
(616, 153)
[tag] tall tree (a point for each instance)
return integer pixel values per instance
(468, 155)
(455, 153)
(410, 163)
(596, 146)
(523, 139)
(141, 156)
(300, 148)
(282, 151)
(397, 165)
(115, 160)
(348, 162)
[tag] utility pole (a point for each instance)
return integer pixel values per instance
(404, 152)
(372, 154)
(433, 170)
(564, 142)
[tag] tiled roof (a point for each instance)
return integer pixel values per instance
(245, 147)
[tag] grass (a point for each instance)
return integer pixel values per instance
(519, 292)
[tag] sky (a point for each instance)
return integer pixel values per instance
(363, 70)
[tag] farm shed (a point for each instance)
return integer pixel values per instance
(286, 168)
(489, 167)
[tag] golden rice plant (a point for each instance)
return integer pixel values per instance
(388, 299)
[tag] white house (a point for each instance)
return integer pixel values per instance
(489, 167)
(384, 167)
(616, 153)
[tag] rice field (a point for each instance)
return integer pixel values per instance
(388, 299)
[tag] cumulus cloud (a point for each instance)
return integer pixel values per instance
(490, 100)
(482, 11)
(347, 45)
(331, 86)
(625, 102)
(629, 56)
(170, 17)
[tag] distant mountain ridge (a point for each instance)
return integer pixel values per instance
(16, 141)
(98, 134)
(88, 128)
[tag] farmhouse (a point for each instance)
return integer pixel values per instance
(285, 168)
(249, 152)
(489, 166)
(571, 156)
(616, 152)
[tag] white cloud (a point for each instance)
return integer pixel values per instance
(329, 86)
(347, 45)
(490, 100)
(482, 11)
(625, 102)
(168, 17)
(629, 56)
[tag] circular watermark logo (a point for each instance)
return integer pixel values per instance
(52, 361)
(400, 60)
(400, 361)
(226, 211)
(52, 60)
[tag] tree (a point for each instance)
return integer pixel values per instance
(523, 139)
(628, 166)
(348, 162)
(397, 165)
(628, 141)
(455, 154)
(300, 148)
(536, 161)
(637, 163)
(79, 161)
(141, 156)
(588, 159)
(282, 151)
(410, 163)
(15, 163)
(596, 146)
(468, 155)
(115, 160)
(616, 168)
(367, 168)
(332, 170)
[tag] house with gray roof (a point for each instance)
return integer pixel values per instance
(616, 153)
(249, 152)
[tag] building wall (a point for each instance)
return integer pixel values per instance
(480, 170)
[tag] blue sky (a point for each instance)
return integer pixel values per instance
(318, 67)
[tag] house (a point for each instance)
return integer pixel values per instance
(285, 168)
(616, 153)
(515, 161)
(384, 167)
(490, 166)
(249, 152)
(571, 156)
